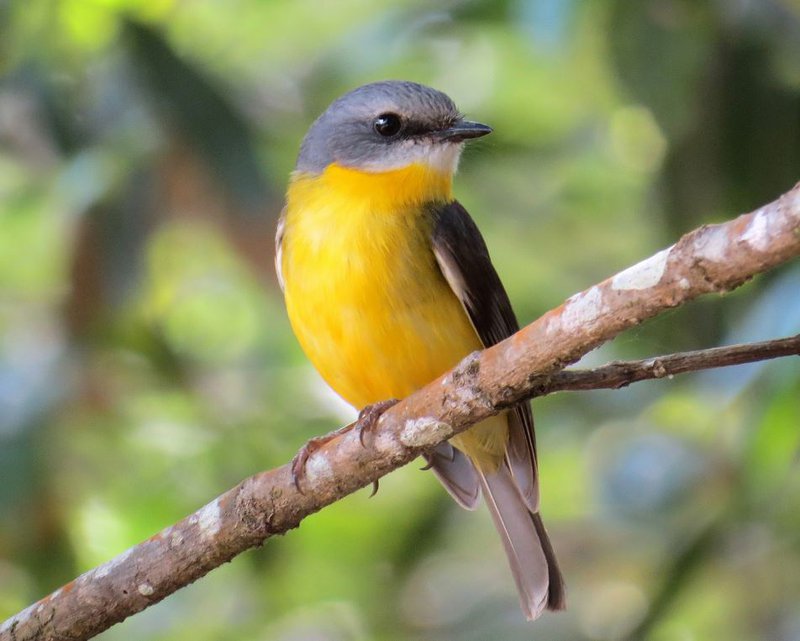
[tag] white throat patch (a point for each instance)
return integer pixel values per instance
(441, 157)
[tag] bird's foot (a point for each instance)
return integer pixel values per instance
(367, 421)
(313, 445)
(368, 417)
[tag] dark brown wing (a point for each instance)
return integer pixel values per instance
(464, 260)
(512, 491)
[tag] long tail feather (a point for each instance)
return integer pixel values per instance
(530, 554)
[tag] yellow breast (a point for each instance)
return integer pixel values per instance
(364, 294)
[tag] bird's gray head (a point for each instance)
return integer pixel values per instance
(388, 125)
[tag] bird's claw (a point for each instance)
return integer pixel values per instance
(304, 453)
(368, 417)
(366, 423)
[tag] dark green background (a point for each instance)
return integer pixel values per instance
(146, 364)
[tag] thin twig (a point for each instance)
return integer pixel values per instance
(623, 373)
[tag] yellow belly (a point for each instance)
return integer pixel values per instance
(368, 302)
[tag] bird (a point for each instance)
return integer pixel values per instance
(388, 284)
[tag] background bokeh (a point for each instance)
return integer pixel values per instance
(146, 363)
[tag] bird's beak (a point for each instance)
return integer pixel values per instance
(463, 130)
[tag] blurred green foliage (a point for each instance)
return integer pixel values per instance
(146, 364)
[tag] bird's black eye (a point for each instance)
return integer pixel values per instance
(387, 124)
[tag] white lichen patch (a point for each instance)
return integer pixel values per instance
(175, 539)
(145, 589)
(643, 275)
(713, 245)
(107, 567)
(582, 309)
(318, 468)
(460, 395)
(757, 234)
(209, 519)
(421, 432)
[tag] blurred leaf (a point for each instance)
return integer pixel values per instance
(774, 450)
(660, 48)
(199, 111)
(200, 296)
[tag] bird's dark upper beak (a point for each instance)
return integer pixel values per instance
(463, 130)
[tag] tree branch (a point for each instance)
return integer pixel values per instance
(714, 258)
(623, 373)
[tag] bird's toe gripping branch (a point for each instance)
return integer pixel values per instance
(367, 422)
